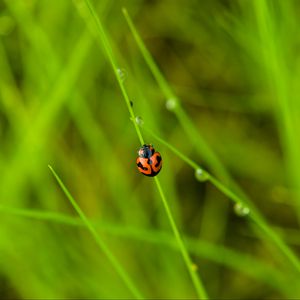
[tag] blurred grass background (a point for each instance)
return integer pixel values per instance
(235, 67)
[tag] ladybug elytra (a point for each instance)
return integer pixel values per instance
(149, 162)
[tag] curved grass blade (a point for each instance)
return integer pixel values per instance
(201, 292)
(202, 147)
(117, 266)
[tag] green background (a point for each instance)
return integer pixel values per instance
(235, 68)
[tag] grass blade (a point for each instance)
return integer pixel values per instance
(255, 215)
(197, 283)
(119, 269)
(219, 254)
(104, 41)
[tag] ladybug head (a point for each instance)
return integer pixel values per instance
(146, 151)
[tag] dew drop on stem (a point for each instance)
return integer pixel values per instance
(122, 74)
(201, 175)
(241, 210)
(139, 120)
(171, 104)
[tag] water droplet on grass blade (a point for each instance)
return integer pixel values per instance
(241, 210)
(201, 175)
(171, 104)
(139, 120)
(122, 74)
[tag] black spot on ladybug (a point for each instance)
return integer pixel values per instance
(158, 158)
(141, 166)
(150, 175)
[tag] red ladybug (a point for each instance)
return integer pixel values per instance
(149, 162)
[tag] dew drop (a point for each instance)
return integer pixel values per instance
(139, 120)
(171, 104)
(122, 74)
(201, 175)
(241, 210)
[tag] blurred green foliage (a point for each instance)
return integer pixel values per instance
(235, 67)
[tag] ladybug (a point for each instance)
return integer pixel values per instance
(149, 162)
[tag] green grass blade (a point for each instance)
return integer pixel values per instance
(255, 215)
(148, 58)
(279, 77)
(206, 152)
(104, 41)
(119, 269)
(197, 283)
(204, 149)
(216, 253)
